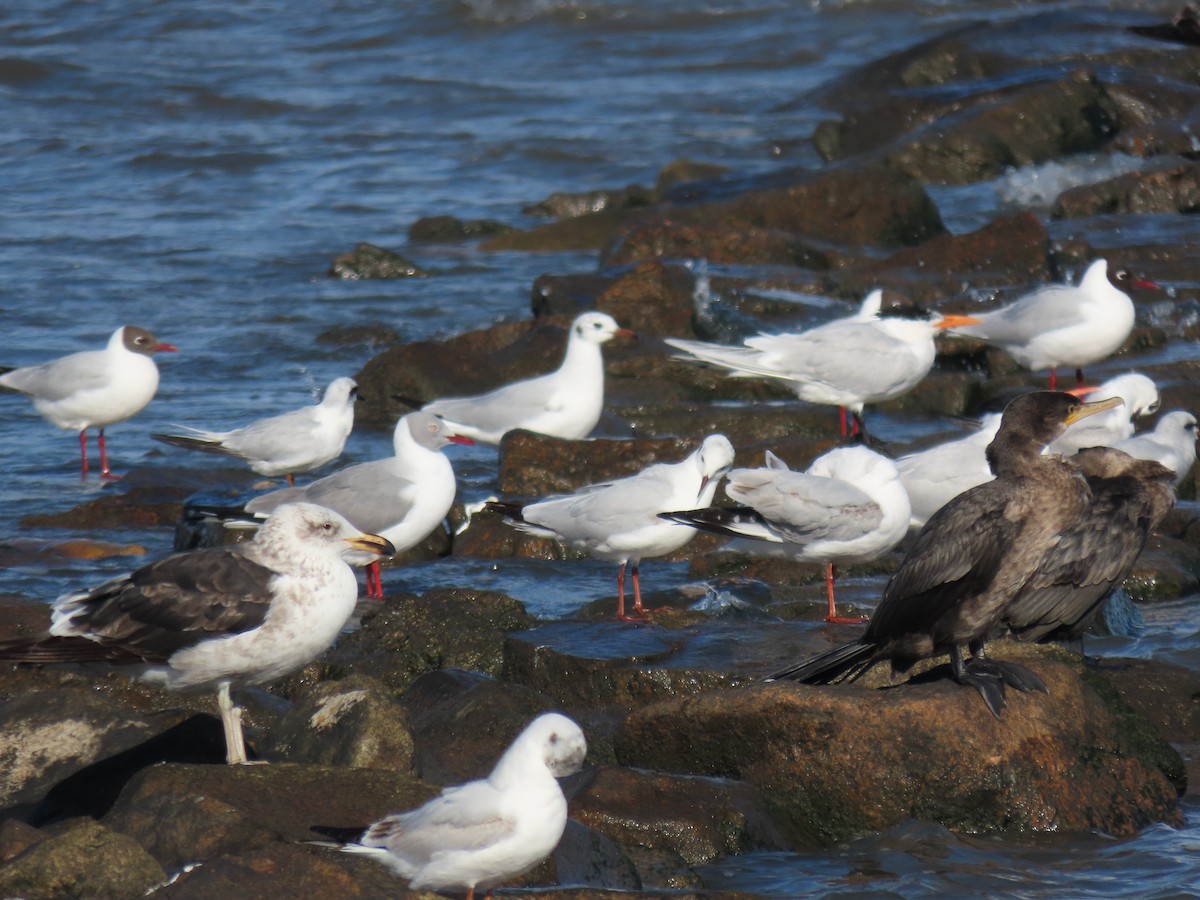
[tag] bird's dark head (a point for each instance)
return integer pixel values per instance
(1042, 416)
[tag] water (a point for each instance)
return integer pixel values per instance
(193, 168)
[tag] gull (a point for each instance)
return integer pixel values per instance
(880, 353)
(288, 444)
(935, 476)
(94, 388)
(1140, 396)
(482, 833)
(245, 614)
(403, 498)
(1172, 443)
(618, 520)
(1064, 325)
(848, 507)
(565, 403)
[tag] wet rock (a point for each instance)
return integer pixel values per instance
(566, 205)
(837, 762)
(585, 856)
(83, 859)
(370, 261)
(589, 231)
(1175, 189)
(374, 336)
(448, 229)
(652, 298)
(407, 636)
(699, 819)
(353, 722)
(22, 618)
(716, 243)
(568, 295)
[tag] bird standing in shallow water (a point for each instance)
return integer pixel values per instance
(972, 558)
(244, 614)
(94, 388)
(482, 833)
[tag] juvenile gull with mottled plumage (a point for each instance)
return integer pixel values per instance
(244, 614)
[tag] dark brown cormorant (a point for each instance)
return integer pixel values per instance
(973, 557)
(1130, 497)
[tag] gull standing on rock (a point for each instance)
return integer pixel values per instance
(288, 444)
(482, 833)
(565, 403)
(94, 388)
(403, 498)
(618, 520)
(880, 353)
(1062, 324)
(211, 618)
(849, 506)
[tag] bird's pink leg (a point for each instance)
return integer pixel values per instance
(105, 472)
(637, 592)
(831, 615)
(374, 581)
(621, 592)
(291, 480)
(83, 454)
(1054, 379)
(843, 430)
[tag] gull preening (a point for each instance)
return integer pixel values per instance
(880, 353)
(403, 498)
(849, 506)
(211, 618)
(94, 388)
(483, 833)
(288, 444)
(972, 559)
(1062, 324)
(618, 520)
(565, 403)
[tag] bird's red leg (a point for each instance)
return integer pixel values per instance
(374, 581)
(831, 615)
(83, 453)
(105, 472)
(843, 429)
(291, 480)
(1054, 379)
(1079, 377)
(637, 593)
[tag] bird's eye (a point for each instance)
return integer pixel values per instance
(553, 737)
(1152, 408)
(433, 427)
(327, 526)
(353, 392)
(1121, 275)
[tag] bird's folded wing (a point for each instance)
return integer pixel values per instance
(805, 507)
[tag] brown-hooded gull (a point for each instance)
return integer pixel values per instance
(618, 520)
(211, 618)
(288, 444)
(403, 498)
(973, 557)
(565, 403)
(94, 388)
(849, 506)
(1062, 324)
(880, 353)
(1172, 443)
(482, 833)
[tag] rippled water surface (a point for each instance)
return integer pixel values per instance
(193, 167)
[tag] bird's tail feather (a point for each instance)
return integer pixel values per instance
(191, 443)
(843, 663)
(734, 521)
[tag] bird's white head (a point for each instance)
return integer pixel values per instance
(597, 328)
(313, 530)
(715, 456)
(341, 392)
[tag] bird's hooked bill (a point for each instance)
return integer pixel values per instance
(1087, 409)
(372, 543)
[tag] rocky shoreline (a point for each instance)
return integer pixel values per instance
(112, 787)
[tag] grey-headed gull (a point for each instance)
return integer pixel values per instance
(1172, 443)
(565, 403)
(94, 388)
(880, 353)
(403, 498)
(1062, 324)
(1129, 498)
(618, 520)
(1140, 396)
(483, 833)
(211, 618)
(934, 476)
(288, 444)
(848, 506)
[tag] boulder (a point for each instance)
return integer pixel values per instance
(370, 261)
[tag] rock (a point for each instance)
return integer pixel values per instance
(448, 229)
(374, 336)
(568, 295)
(407, 636)
(652, 298)
(837, 762)
(370, 261)
(1175, 189)
(564, 205)
(353, 722)
(585, 856)
(82, 859)
(716, 243)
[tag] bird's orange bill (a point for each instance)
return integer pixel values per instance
(372, 543)
(1083, 410)
(955, 320)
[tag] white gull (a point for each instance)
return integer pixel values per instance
(1172, 443)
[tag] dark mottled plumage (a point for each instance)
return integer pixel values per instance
(1130, 497)
(972, 557)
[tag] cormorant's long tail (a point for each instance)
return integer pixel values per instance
(845, 662)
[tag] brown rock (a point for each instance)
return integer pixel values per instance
(1175, 189)
(652, 298)
(370, 261)
(713, 241)
(837, 762)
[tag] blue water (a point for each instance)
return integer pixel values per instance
(194, 167)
